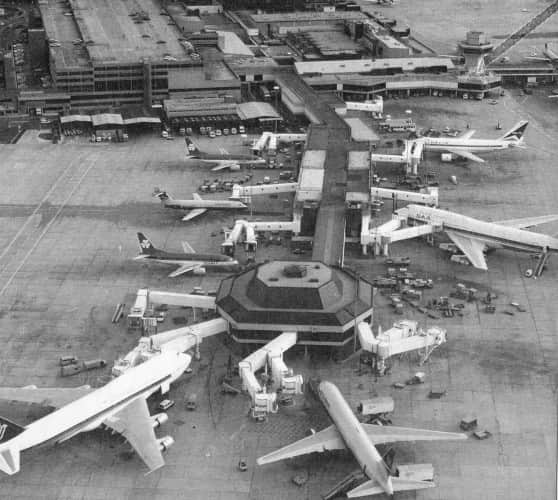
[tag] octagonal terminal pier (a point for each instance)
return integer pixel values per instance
(320, 302)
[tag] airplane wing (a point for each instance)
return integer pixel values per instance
(466, 154)
(187, 248)
(328, 439)
(468, 134)
(185, 268)
(380, 434)
(222, 165)
(192, 214)
(534, 58)
(373, 487)
(527, 221)
(47, 396)
(134, 423)
(472, 248)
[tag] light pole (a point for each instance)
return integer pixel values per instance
(276, 90)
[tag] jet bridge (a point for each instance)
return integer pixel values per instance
(382, 236)
(182, 299)
(178, 340)
(269, 140)
(244, 193)
(411, 156)
(427, 196)
(245, 231)
(404, 336)
(242, 231)
(270, 357)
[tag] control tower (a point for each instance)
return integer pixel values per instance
(474, 48)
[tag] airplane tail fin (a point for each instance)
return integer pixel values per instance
(9, 459)
(162, 195)
(515, 134)
(146, 246)
(9, 452)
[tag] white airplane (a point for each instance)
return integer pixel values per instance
(197, 206)
(348, 432)
(473, 236)
(121, 405)
(221, 160)
(465, 146)
(548, 53)
(188, 261)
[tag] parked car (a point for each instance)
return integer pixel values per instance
(166, 404)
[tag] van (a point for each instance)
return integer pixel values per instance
(218, 132)
(192, 402)
(234, 131)
(166, 404)
(225, 131)
(212, 134)
(241, 129)
(164, 134)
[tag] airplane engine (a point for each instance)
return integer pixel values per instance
(199, 271)
(158, 419)
(165, 443)
(234, 168)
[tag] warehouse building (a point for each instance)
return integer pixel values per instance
(219, 112)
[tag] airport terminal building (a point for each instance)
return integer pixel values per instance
(321, 303)
(113, 54)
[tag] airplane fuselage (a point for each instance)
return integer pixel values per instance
(492, 234)
(209, 261)
(88, 412)
(354, 435)
(205, 204)
(229, 158)
(471, 145)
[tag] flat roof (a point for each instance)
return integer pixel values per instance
(360, 131)
(358, 160)
(255, 109)
(110, 32)
(313, 158)
(300, 17)
(366, 65)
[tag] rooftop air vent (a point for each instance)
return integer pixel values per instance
(294, 271)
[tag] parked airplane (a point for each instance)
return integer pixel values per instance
(548, 53)
(197, 206)
(188, 261)
(473, 236)
(348, 432)
(222, 160)
(464, 146)
(121, 405)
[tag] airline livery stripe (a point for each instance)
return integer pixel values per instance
(482, 236)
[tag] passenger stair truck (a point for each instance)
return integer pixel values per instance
(270, 357)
